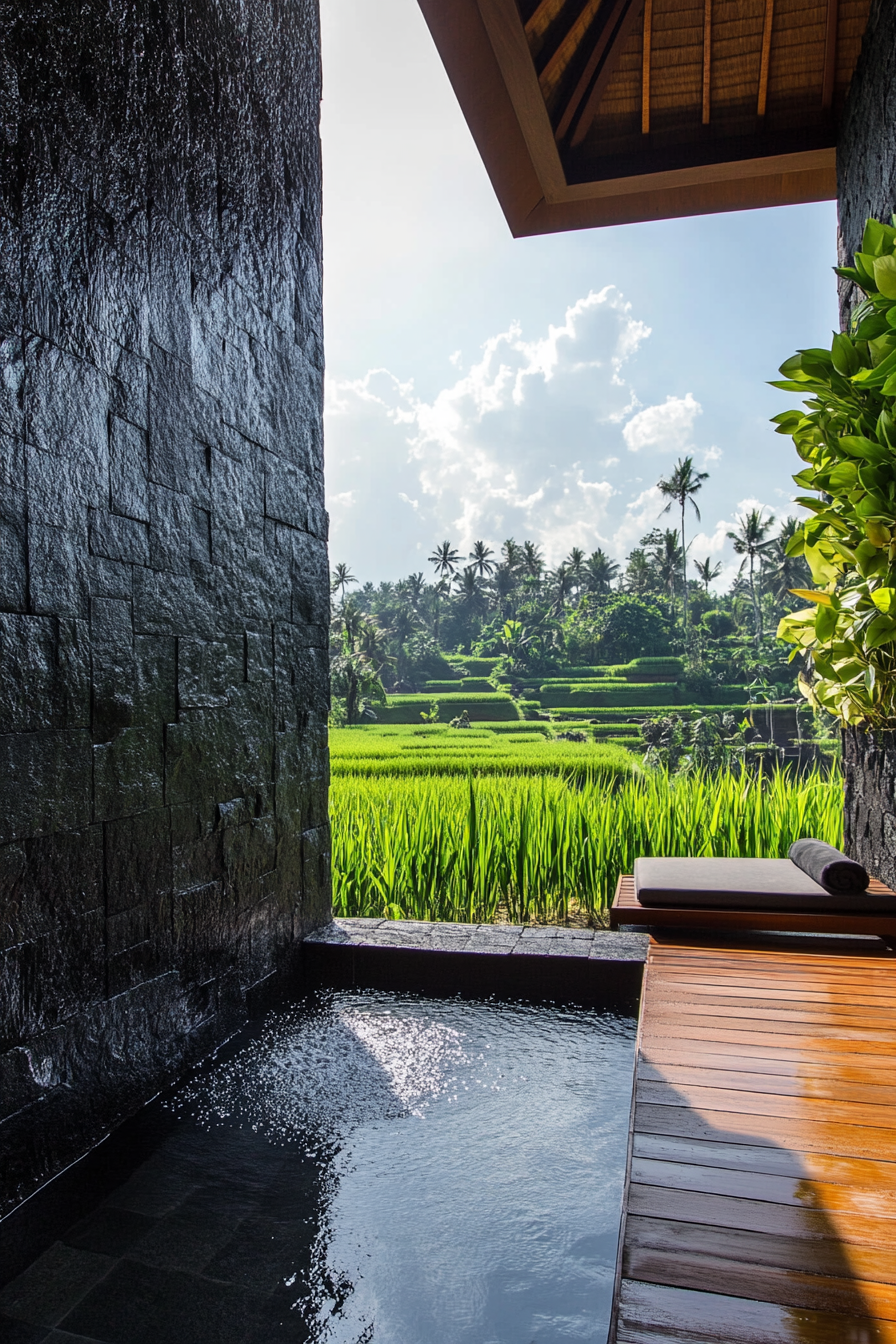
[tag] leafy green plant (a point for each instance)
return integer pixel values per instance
(431, 715)
(846, 434)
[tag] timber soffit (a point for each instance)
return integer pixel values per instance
(592, 112)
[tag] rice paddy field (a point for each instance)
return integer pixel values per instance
(480, 825)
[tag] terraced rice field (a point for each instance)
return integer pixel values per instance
(480, 825)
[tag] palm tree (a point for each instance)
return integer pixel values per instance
(708, 571)
(600, 571)
(445, 558)
(751, 541)
(512, 554)
(480, 556)
(667, 564)
(575, 563)
(469, 589)
(782, 572)
(340, 579)
(416, 585)
(533, 560)
(679, 488)
(640, 576)
(562, 584)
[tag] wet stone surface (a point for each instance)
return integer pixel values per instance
(497, 939)
(163, 568)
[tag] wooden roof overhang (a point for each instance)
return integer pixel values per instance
(593, 112)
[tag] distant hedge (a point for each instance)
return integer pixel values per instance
(477, 667)
(480, 708)
(587, 696)
(463, 686)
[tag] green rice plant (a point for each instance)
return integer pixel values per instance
(440, 750)
(477, 849)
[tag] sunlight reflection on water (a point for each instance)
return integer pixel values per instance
(470, 1159)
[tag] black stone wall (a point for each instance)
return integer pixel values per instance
(163, 567)
(866, 151)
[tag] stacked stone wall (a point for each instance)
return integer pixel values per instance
(866, 149)
(163, 566)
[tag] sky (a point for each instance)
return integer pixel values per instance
(485, 387)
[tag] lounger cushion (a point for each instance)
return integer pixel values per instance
(745, 884)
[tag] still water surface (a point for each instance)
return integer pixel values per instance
(471, 1163)
(373, 1168)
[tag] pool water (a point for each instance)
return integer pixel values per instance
(369, 1167)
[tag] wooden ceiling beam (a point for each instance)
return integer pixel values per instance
(572, 40)
(645, 67)
(707, 60)
(614, 36)
(830, 54)
(765, 58)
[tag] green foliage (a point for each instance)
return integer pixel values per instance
(846, 434)
(617, 628)
(479, 849)
(709, 742)
(431, 715)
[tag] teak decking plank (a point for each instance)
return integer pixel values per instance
(817, 1166)
(763, 1147)
(819, 1089)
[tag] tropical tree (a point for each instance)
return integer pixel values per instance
(640, 575)
(667, 564)
(532, 560)
(512, 554)
(707, 571)
(481, 558)
(340, 579)
(600, 572)
(680, 488)
(751, 540)
(562, 585)
(445, 559)
(781, 573)
(469, 590)
(575, 563)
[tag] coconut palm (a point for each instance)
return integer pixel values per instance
(416, 587)
(340, 579)
(600, 571)
(640, 575)
(445, 559)
(782, 572)
(480, 556)
(562, 586)
(666, 560)
(532, 560)
(575, 563)
(512, 554)
(707, 571)
(751, 540)
(468, 589)
(680, 488)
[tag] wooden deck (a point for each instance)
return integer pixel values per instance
(760, 1206)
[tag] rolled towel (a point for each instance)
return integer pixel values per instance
(828, 867)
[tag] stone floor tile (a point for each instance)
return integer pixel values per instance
(22, 1332)
(540, 931)
(109, 1230)
(50, 1287)
(263, 1253)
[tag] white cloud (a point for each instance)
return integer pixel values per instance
(712, 454)
(666, 427)
(516, 446)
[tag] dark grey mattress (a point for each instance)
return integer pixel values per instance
(745, 884)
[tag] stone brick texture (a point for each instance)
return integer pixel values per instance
(866, 150)
(866, 172)
(869, 801)
(163, 564)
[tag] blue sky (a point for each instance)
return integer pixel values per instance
(480, 386)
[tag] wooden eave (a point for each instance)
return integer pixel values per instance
(597, 112)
